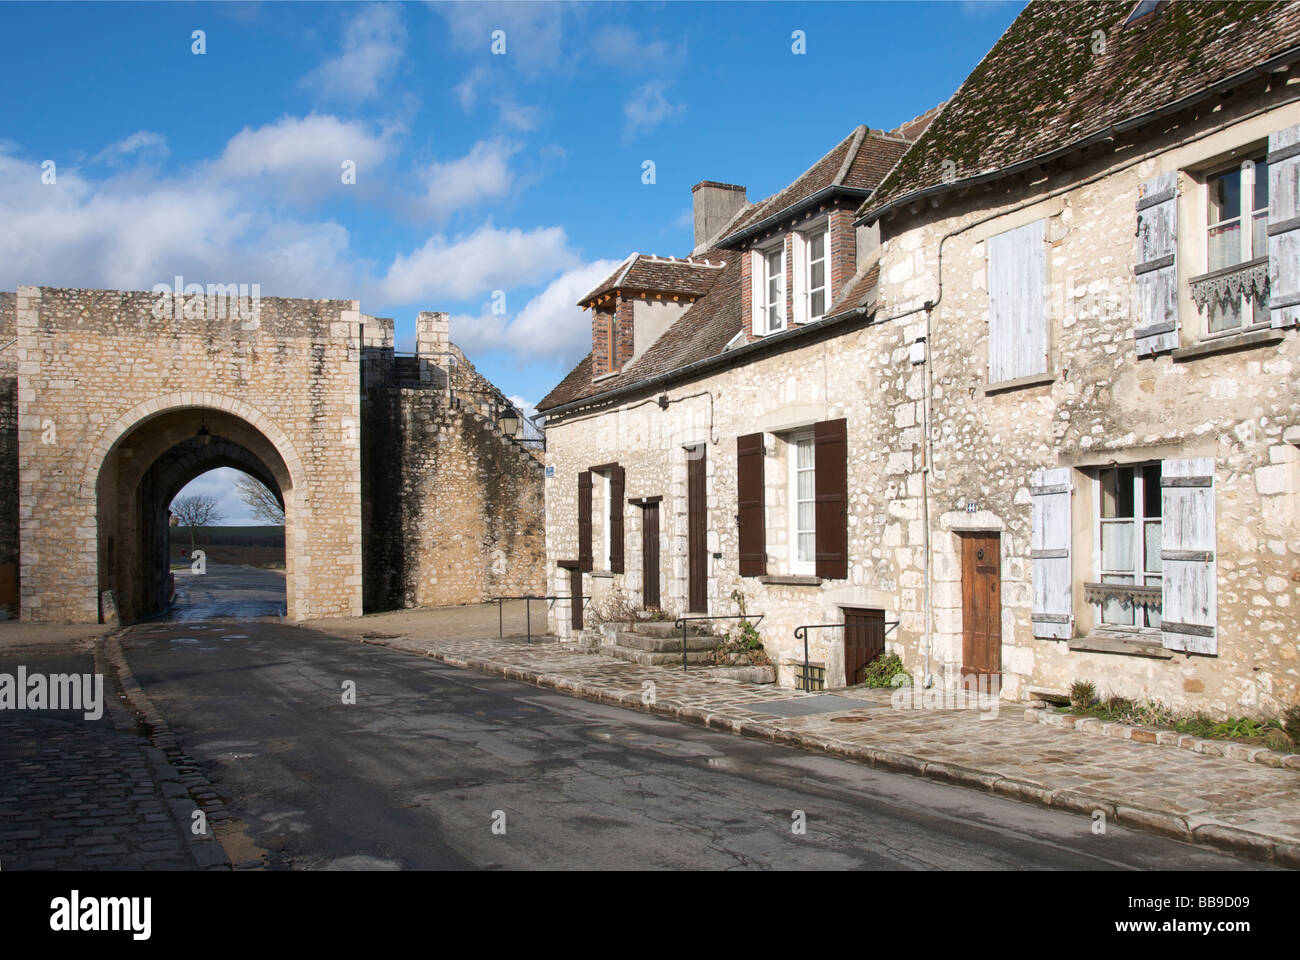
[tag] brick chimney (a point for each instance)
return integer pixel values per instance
(715, 205)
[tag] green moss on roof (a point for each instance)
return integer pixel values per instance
(1043, 86)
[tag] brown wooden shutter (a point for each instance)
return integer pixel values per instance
(584, 520)
(749, 505)
(831, 480)
(617, 483)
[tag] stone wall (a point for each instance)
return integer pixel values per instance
(453, 507)
(106, 385)
(8, 455)
(1099, 405)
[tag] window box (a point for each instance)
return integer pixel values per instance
(1140, 644)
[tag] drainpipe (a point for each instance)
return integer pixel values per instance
(928, 454)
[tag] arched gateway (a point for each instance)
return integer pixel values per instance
(121, 403)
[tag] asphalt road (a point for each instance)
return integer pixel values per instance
(226, 590)
(434, 767)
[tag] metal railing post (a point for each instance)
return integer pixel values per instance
(683, 644)
(528, 613)
(501, 620)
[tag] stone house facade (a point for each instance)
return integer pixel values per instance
(736, 368)
(1048, 429)
(1103, 300)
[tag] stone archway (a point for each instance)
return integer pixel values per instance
(147, 463)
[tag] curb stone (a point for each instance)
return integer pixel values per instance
(1219, 836)
(1247, 753)
(184, 789)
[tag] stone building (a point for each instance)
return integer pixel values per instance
(1047, 430)
(713, 370)
(398, 484)
(1094, 255)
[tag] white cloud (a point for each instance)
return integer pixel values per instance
(220, 483)
(534, 31)
(647, 108)
(301, 156)
(482, 174)
(143, 146)
(133, 233)
(621, 46)
(550, 325)
(373, 44)
(487, 259)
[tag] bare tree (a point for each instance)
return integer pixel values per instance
(196, 511)
(260, 499)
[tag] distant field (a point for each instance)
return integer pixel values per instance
(255, 546)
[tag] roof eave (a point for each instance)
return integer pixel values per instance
(708, 363)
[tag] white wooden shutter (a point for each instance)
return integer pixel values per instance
(1284, 227)
(799, 270)
(1017, 303)
(1053, 610)
(758, 320)
(1156, 267)
(1190, 609)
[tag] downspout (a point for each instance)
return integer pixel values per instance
(928, 680)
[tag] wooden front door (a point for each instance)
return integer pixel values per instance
(575, 597)
(864, 640)
(650, 554)
(981, 603)
(696, 532)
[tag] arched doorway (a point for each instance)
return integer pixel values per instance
(144, 471)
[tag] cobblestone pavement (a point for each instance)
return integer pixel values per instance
(1230, 804)
(78, 794)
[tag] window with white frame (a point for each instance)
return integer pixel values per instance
(1127, 542)
(803, 504)
(1236, 234)
(816, 274)
(600, 518)
(770, 303)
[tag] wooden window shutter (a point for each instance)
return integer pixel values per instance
(617, 484)
(1189, 615)
(584, 520)
(1156, 267)
(1284, 227)
(757, 317)
(1052, 614)
(750, 513)
(831, 485)
(1018, 303)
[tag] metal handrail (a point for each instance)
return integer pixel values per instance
(528, 599)
(801, 633)
(682, 621)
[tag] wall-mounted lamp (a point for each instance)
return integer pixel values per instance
(509, 421)
(204, 436)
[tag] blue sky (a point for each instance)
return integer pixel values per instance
(475, 171)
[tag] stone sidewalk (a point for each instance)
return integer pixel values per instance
(1240, 807)
(87, 794)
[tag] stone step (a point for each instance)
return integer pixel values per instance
(647, 658)
(637, 641)
(665, 628)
